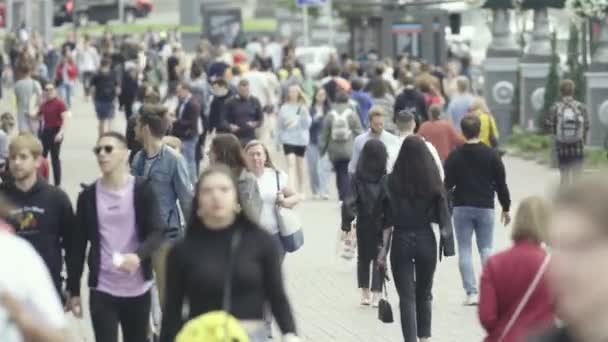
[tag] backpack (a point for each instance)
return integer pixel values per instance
(570, 126)
(340, 129)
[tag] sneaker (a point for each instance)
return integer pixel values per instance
(325, 197)
(472, 300)
(365, 300)
(376, 299)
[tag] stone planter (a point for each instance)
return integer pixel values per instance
(503, 42)
(539, 48)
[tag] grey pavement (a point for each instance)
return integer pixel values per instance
(323, 288)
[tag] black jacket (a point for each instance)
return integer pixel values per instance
(239, 111)
(217, 111)
(412, 100)
(186, 126)
(149, 225)
(44, 216)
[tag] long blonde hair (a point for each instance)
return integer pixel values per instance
(531, 220)
(479, 105)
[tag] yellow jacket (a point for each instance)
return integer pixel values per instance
(488, 126)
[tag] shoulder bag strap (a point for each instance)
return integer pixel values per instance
(234, 244)
(526, 298)
(276, 172)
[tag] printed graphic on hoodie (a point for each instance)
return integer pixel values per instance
(26, 219)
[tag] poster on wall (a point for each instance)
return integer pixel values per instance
(224, 26)
(407, 38)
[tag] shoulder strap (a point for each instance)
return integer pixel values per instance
(276, 172)
(526, 298)
(234, 245)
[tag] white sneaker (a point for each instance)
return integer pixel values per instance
(472, 300)
(376, 299)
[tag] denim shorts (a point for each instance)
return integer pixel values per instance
(104, 110)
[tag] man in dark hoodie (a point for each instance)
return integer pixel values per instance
(411, 101)
(42, 214)
(221, 93)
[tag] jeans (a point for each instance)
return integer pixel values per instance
(47, 136)
(319, 170)
(413, 262)
(469, 220)
(108, 312)
(342, 179)
(189, 153)
(65, 91)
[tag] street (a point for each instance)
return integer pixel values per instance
(322, 288)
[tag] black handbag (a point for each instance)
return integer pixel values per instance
(385, 311)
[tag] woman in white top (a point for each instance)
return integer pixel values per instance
(272, 184)
(293, 127)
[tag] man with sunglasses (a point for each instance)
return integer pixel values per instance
(119, 217)
(167, 172)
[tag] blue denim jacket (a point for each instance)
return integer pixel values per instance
(170, 180)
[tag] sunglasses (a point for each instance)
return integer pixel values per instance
(107, 149)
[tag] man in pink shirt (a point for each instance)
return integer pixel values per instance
(440, 133)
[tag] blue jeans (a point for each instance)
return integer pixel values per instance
(189, 153)
(65, 91)
(469, 220)
(319, 168)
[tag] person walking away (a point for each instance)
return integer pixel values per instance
(318, 167)
(226, 149)
(340, 128)
(221, 94)
(54, 114)
(376, 131)
(460, 103)
(88, 61)
(368, 187)
(66, 75)
(512, 312)
(41, 214)
(363, 100)
(293, 126)
(474, 172)
(167, 172)
(30, 309)
(119, 218)
(569, 123)
(577, 236)
(431, 95)
(411, 100)
(104, 90)
(186, 126)
(488, 133)
(406, 123)
(28, 95)
(440, 133)
(217, 233)
(382, 98)
(201, 92)
(416, 201)
(128, 89)
(243, 114)
(174, 70)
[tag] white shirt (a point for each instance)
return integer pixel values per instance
(24, 276)
(258, 83)
(391, 141)
(267, 185)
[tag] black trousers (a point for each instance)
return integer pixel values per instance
(47, 136)
(413, 262)
(368, 252)
(108, 312)
(342, 179)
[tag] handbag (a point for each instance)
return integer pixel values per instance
(385, 311)
(526, 298)
(218, 326)
(290, 226)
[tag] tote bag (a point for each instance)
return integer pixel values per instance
(290, 226)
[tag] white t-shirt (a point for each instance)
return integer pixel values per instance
(267, 185)
(34, 288)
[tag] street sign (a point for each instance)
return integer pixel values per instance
(302, 3)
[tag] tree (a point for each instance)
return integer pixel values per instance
(538, 4)
(552, 85)
(576, 70)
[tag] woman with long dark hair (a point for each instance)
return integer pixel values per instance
(368, 188)
(221, 237)
(226, 149)
(318, 167)
(417, 201)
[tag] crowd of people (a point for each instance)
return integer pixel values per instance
(185, 218)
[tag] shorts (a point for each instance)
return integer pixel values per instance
(299, 151)
(104, 110)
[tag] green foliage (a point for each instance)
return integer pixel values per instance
(291, 5)
(576, 70)
(552, 85)
(498, 4)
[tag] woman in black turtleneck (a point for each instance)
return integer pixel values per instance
(196, 265)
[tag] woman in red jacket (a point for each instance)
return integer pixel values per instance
(65, 76)
(514, 299)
